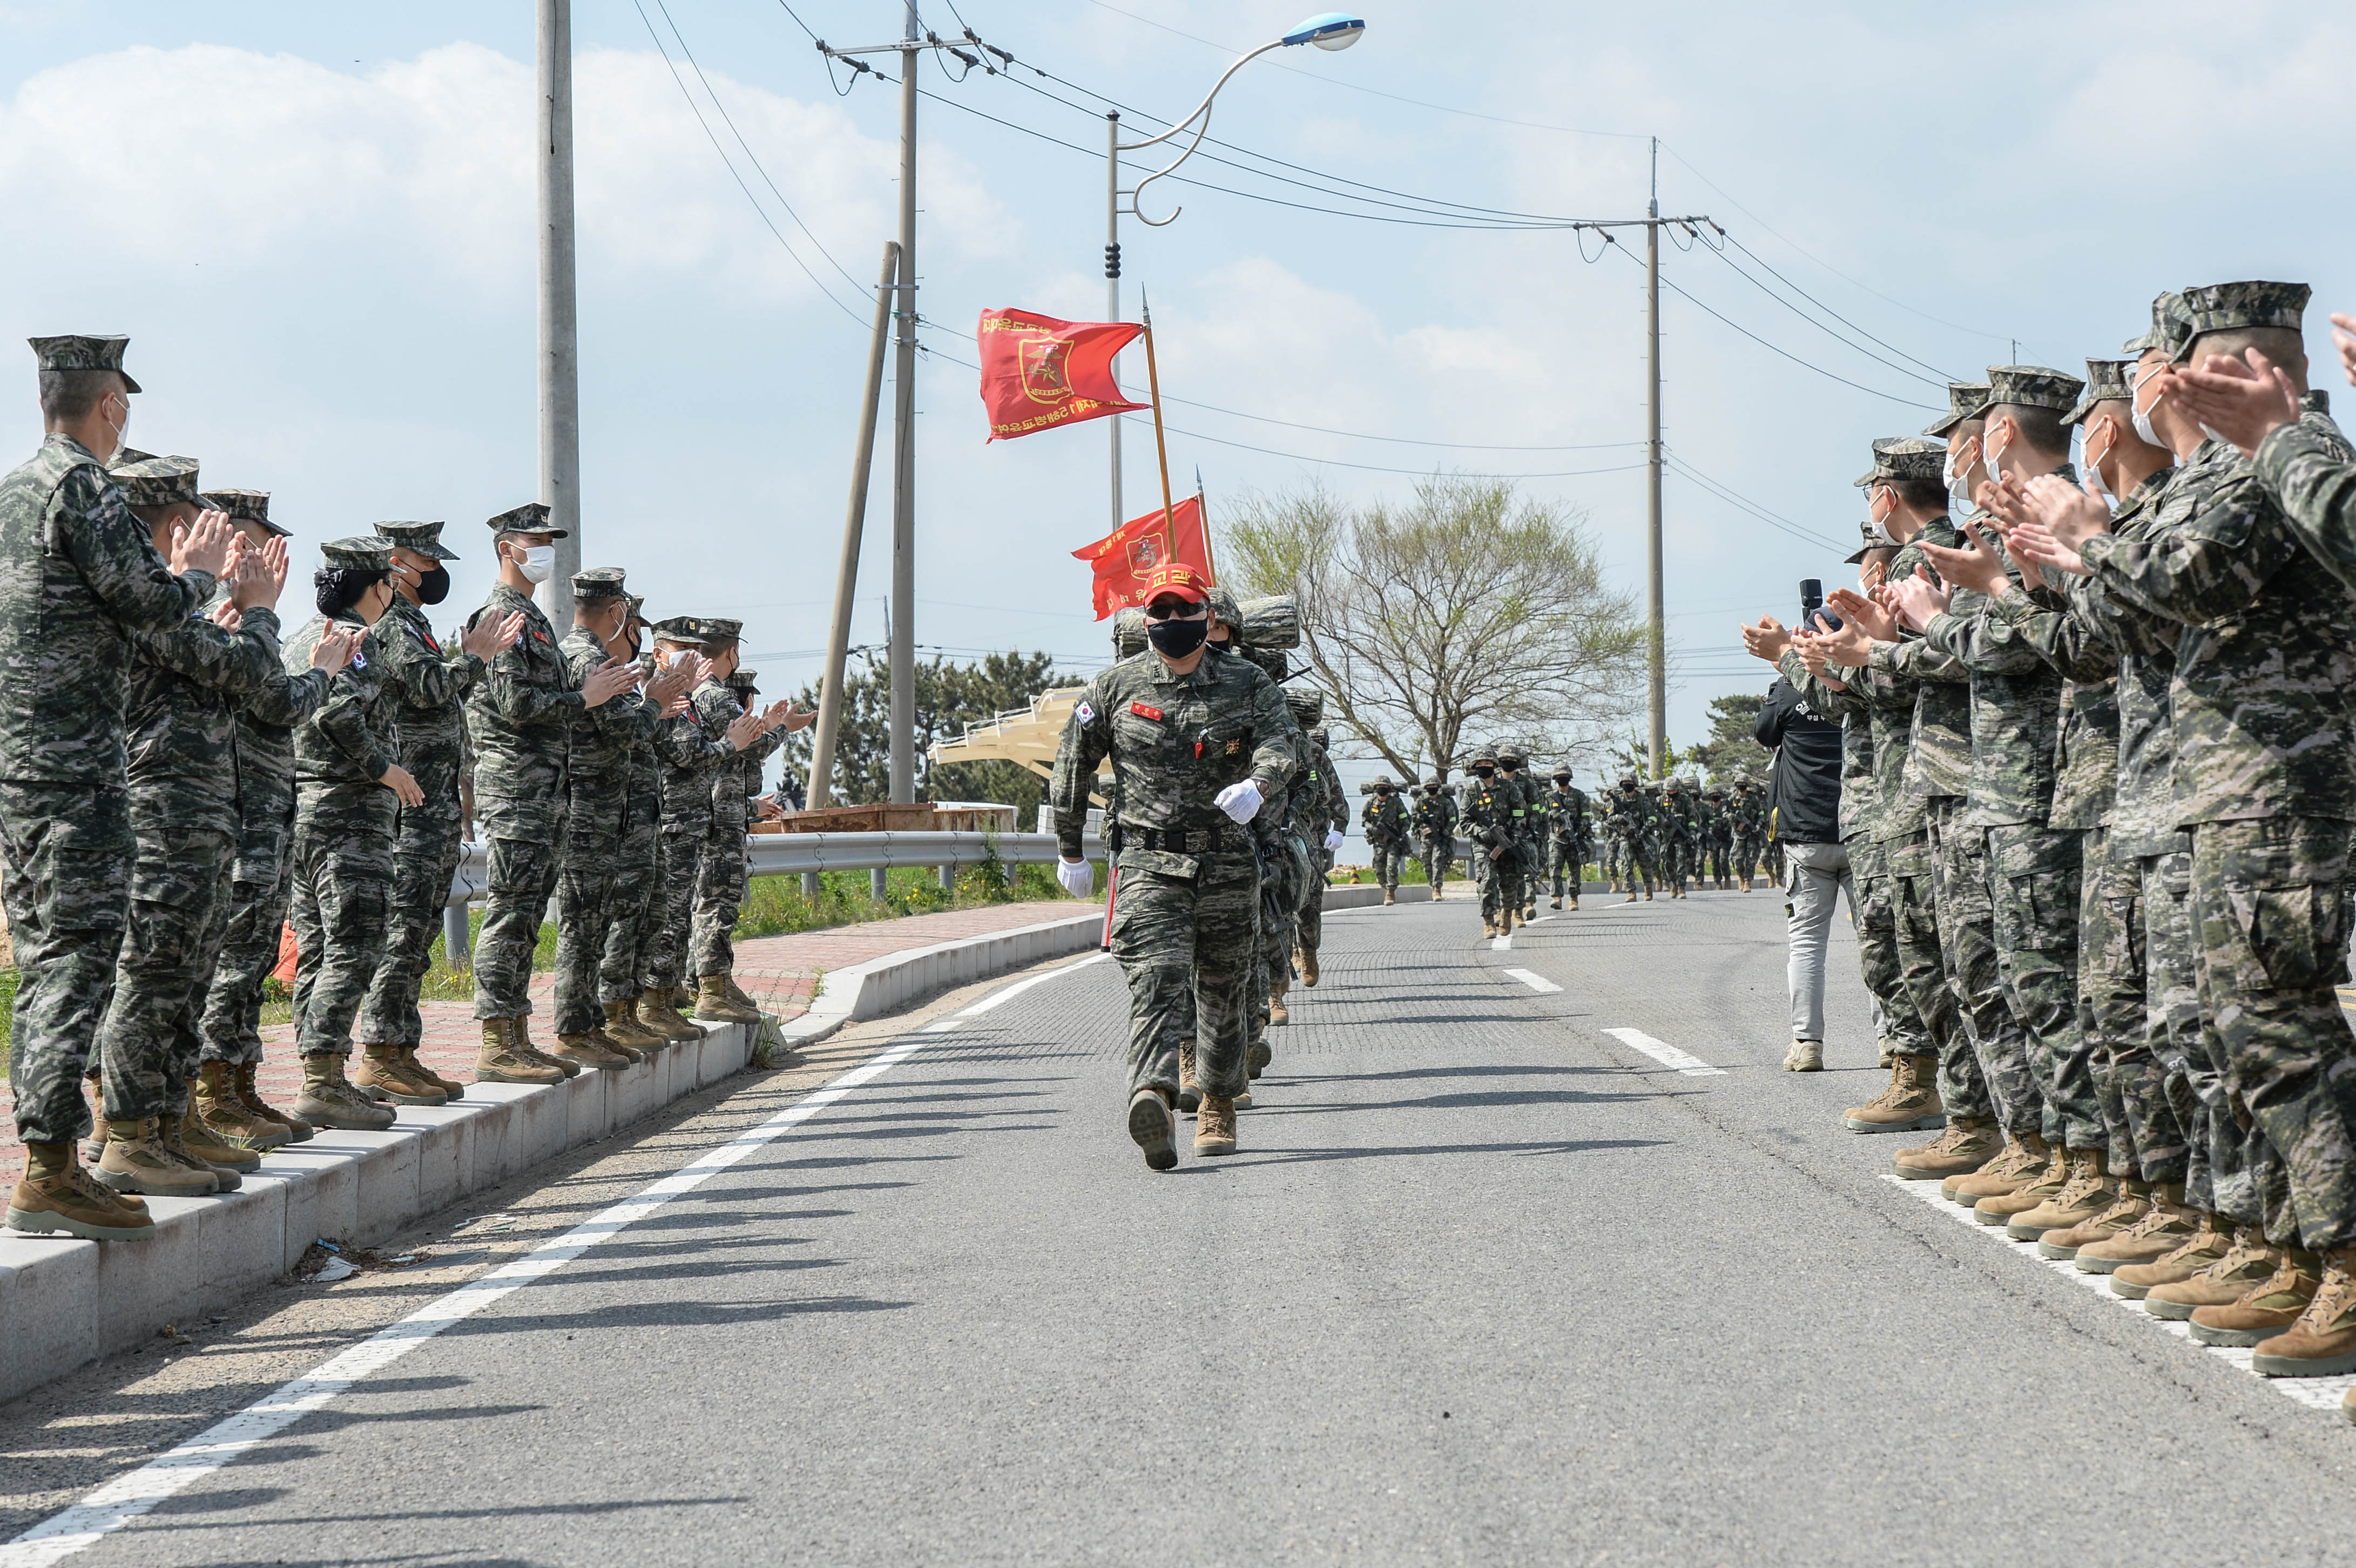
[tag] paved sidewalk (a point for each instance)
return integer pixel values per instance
(779, 972)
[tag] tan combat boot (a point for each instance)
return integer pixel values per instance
(2267, 1309)
(2205, 1246)
(226, 1117)
(1190, 1093)
(382, 1075)
(584, 1049)
(1153, 1129)
(297, 1130)
(1574, 904)
(56, 1197)
(1214, 1127)
(2323, 1343)
(1308, 957)
(185, 1134)
(658, 1011)
(1911, 1100)
(1648, 894)
(138, 1161)
(1489, 927)
(520, 1041)
(1632, 895)
(1389, 897)
(713, 1004)
(500, 1063)
(327, 1100)
(1278, 1013)
(2047, 1183)
(1256, 1056)
(2248, 1261)
(1967, 1144)
(2086, 1194)
(631, 1055)
(451, 1088)
(2013, 1170)
(736, 993)
(2130, 1204)
(2165, 1224)
(623, 1028)
(1505, 922)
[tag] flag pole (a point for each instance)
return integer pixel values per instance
(1161, 445)
(1203, 510)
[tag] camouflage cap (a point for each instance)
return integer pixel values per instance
(744, 680)
(156, 481)
(1627, 781)
(1562, 772)
(361, 553)
(426, 538)
(599, 583)
(1905, 457)
(531, 517)
(2033, 387)
(679, 629)
(2107, 381)
(1511, 754)
(1874, 540)
(1307, 703)
(76, 351)
(637, 606)
(1434, 781)
(1382, 780)
(246, 507)
(2229, 307)
(1965, 399)
(1225, 610)
(716, 628)
(2167, 329)
(1484, 754)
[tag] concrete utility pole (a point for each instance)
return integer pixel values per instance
(904, 447)
(1112, 285)
(1655, 641)
(560, 324)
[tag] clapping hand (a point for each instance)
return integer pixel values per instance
(208, 545)
(2061, 518)
(1767, 640)
(2244, 404)
(333, 651)
(1916, 603)
(1978, 567)
(608, 681)
(489, 638)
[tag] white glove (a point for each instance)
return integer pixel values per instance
(1240, 800)
(1333, 838)
(1079, 879)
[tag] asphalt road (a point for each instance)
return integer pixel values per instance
(1484, 1285)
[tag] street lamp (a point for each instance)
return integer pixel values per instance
(1327, 30)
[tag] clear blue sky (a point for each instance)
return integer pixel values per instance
(316, 222)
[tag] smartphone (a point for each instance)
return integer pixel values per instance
(1812, 614)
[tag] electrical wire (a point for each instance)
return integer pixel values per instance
(1944, 376)
(1677, 465)
(1369, 467)
(1938, 379)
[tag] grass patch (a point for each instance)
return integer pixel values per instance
(776, 906)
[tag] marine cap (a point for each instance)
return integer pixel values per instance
(2167, 330)
(1874, 540)
(741, 680)
(2107, 381)
(1965, 399)
(246, 507)
(531, 517)
(715, 628)
(361, 553)
(157, 481)
(2229, 307)
(679, 629)
(1905, 457)
(638, 607)
(2033, 387)
(1225, 611)
(76, 351)
(426, 538)
(599, 583)
(1177, 580)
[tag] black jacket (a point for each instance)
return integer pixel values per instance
(1804, 788)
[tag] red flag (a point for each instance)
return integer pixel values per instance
(1038, 373)
(1126, 556)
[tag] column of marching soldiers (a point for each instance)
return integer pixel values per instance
(2098, 790)
(177, 784)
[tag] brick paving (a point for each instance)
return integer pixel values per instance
(778, 972)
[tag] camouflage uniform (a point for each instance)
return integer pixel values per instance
(1326, 809)
(1185, 914)
(689, 749)
(1567, 837)
(430, 684)
(1629, 809)
(1434, 821)
(596, 817)
(1383, 816)
(76, 572)
(638, 872)
(721, 875)
(1492, 821)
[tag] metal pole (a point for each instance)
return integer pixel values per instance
(1112, 285)
(904, 434)
(1656, 647)
(458, 949)
(854, 526)
(560, 369)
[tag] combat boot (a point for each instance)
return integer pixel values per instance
(1967, 1144)
(1911, 1101)
(2047, 1183)
(225, 1116)
(2248, 1261)
(2323, 1343)
(1309, 968)
(623, 1028)
(713, 1004)
(736, 993)
(1389, 897)
(584, 1049)
(1190, 1094)
(1489, 927)
(187, 1134)
(1632, 895)
(451, 1088)
(520, 1041)
(1805, 1056)
(1574, 902)
(658, 1011)
(1278, 1013)
(249, 1096)
(500, 1063)
(1153, 1128)
(1214, 1127)
(2163, 1226)
(1648, 893)
(1256, 1056)
(56, 1197)
(2208, 1242)
(1555, 904)
(382, 1075)
(2267, 1309)
(631, 1056)
(2130, 1206)
(2013, 1170)
(2086, 1194)
(138, 1160)
(1505, 922)
(327, 1100)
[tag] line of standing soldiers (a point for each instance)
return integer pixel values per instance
(1676, 834)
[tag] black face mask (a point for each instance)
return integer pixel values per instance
(433, 587)
(1484, 774)
(1176, 639)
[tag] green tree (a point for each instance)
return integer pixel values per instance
(948, 697)
(1730, 749)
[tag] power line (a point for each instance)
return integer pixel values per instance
(1732, 497)
(1938, 379)
(1373, 468)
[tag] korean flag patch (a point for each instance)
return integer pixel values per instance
(1085, 714)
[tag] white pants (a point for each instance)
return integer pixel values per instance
(1814, 876)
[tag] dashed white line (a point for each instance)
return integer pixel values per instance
(1501, 945)
(1668, 1055)
(1537, 983)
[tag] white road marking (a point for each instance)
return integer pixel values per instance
(2324, 1394)
(999, 999)
(1537, 983)
(124, 1499)
(941, 1026)
(1501, 945)
(1668, 1055)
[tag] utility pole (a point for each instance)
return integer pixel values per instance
(560, 362)
(1112, 285)
(1657, 674)
(904, 446)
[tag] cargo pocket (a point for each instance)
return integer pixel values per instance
(2296, 935)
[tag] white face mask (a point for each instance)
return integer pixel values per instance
(121, 431)
(2144, 432)
(1992, 458)
(1957, 470)
(539, 562)
(2093, 468)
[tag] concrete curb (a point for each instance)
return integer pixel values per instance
(1361, 897)
(885, 984)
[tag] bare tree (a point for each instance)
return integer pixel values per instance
(1467, 615)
